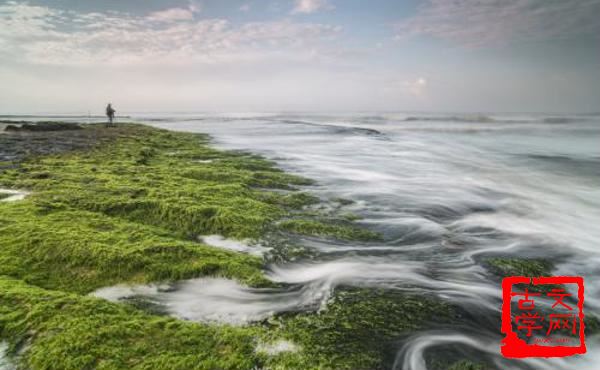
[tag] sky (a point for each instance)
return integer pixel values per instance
(74, 56)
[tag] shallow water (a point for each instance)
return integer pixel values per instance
(446, 191)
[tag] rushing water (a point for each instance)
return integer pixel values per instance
(446, 191)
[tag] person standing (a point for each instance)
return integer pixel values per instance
(110, 112)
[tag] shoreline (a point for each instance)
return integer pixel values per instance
(122, 205)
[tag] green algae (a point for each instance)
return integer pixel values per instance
(295, 200)
(154, 184)
(519, 267)
(137, 178)
(127, 211)
(592, 324)
(528, 267)
(57, 330)
(437, 364)
(350, 216)
(67, 331)
(322, 229)
(467, 365)
(147, 189)
(359, 329)
(80, 251)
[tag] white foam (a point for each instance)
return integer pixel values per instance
(277, 347)
(15, 195)
(218, 299)
(118, 292)
(244, 246)
(5, 362)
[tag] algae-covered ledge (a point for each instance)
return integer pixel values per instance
(126, 205)
(130, 206)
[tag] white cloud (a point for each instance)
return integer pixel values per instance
(176, 14)
(172, 15)
(310, 6)
(195, 6)
(496, 22)
(43, 35)
(244, 8)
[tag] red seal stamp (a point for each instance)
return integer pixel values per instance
(540, 318)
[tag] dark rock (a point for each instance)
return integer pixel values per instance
(44, 126)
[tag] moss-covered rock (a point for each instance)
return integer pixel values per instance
(66, 331)
(467, 365)
(124, 210)
(592, 324)
(519, 267)
(333, 230)
(80, 251)
(359, 329)
(42, 126)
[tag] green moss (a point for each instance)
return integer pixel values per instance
(295, 200)
(358, 330)
(343, 201)
(519, 267)
(592, 324)
(66, 331)
(81, 251)
(467, 365)
(349, 216)
(117, 212)
(338, 231)
(523, 267)
(137, 177)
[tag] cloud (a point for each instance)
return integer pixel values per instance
(172, 15)
(176, 14)
(310, 6)
(195, 6)
(244, 8)
(478, 23)
(42, 35)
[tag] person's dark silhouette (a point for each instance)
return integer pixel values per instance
(110, 112)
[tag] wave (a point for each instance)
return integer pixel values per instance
(481, 118)
(467, 118)
(562, 119)
(339, 128)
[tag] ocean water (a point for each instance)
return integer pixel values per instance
(446, 190)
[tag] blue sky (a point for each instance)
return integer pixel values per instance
(300, 55)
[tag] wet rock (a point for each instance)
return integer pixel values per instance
(42, 126)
